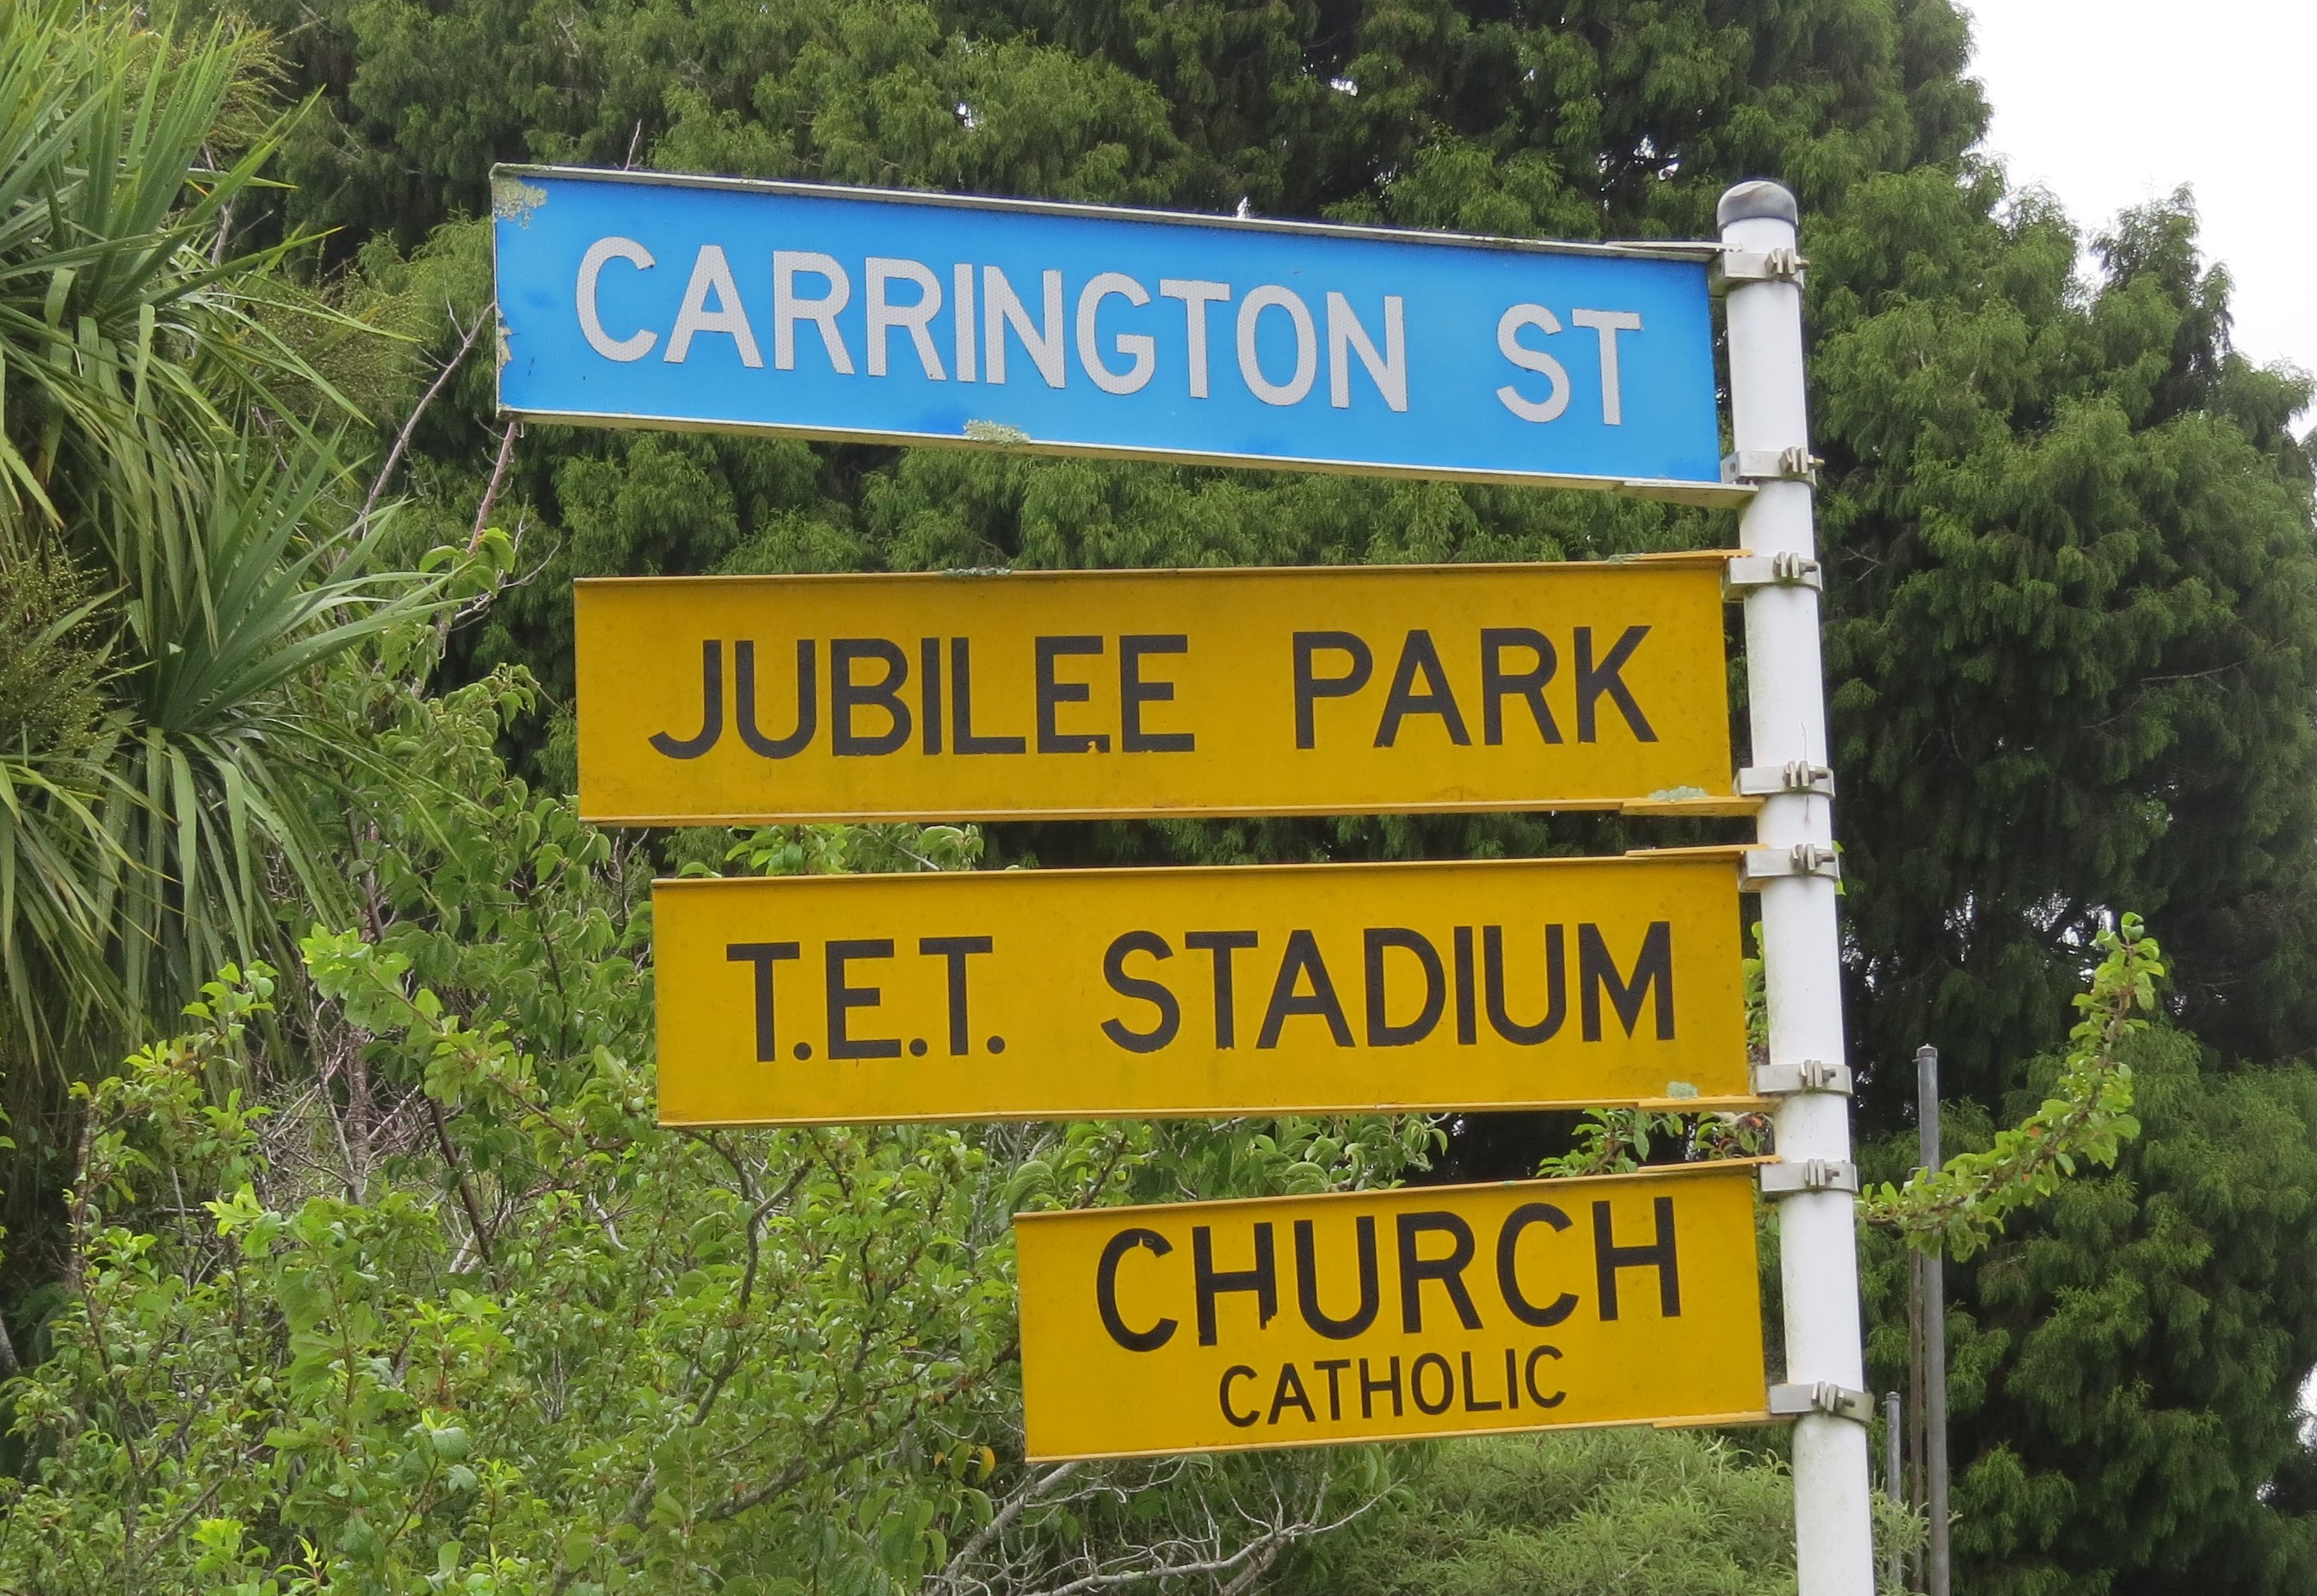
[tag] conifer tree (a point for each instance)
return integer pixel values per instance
(2073, 609)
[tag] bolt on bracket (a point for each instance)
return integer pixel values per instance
(1746, 572)
(1810, 1174)
(1786, 1081)
(1755, 466)
(1795, 775)
(1759, 864)
(1734, 266)
(1839, 1402)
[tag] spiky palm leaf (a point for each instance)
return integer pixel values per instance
(157, 427)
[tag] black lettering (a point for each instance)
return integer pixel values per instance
(1237, 1371)
(1447, 1383)
(1652, 968)
(1556, 986)
(1609, 1258)
(1414, 1272)
(1303, 959)
(1497, 684)
(846, 696)
(956, 950)
(1418, 657)
(1369, 1388)
(1333, 1368)
(1473, 1391)
(1155, 993)
(1223, 945)
(929, 693)
(711, 708)
(1468, 1009)
(1211, 1283)
(1289, 1393)
(1307, 1280)
(1310, 688)
(1381, 1032)
(1508, 1265)
(1512, 1378)
(1528, 1378)
(1594, 680)
(1052, 695)
(1106, 1290)
(843, 998)
(1133, 693)
(764, 955)
(744, 702)
(960, 706)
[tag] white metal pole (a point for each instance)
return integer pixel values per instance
(1786, 704)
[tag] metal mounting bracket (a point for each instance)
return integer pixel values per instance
(1746, 572)
(1792, 1402)
(1734, 266)
(1755, 466)
(1810, 1174)
(1759, 864)
(1786, 1081)
(1795, 775)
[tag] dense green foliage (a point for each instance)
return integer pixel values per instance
(178, 554)
(459, 1311)
(2126, 1362)
(471, 1318)
(2073, 615)
(1652, 1512)
(1955, 1209)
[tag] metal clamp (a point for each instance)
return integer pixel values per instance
(1783, 264)
(1839, 1402)
(1758, 864)
(1795, 775)
(1786, 1081)
(1746, 572)
(1796, 464)
(1810, 1174)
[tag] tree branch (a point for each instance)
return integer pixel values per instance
(1030, 1492)
(402, 439)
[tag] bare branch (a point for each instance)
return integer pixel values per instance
(402, 440)
(1036, 1487)
(491, 492)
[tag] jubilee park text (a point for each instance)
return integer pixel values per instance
(1111, 693)
(630, 299)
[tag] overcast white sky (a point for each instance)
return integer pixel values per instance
(2110, 103)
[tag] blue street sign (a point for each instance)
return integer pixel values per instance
(637, 299)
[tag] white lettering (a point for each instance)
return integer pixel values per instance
(1003, 307)
(708, 270)
(917, 317)
(1345, 336)
(1306, 345)
(1508, 344)
(1609, 324)
(960, 278)
(1141, 349)
(635, 345)
(1197, 296)
(788, 310)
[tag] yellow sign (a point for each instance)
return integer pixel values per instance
(1066, 994)
(1352, 690)
(1371, 1316)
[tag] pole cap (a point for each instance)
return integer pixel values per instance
(1758, 198)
